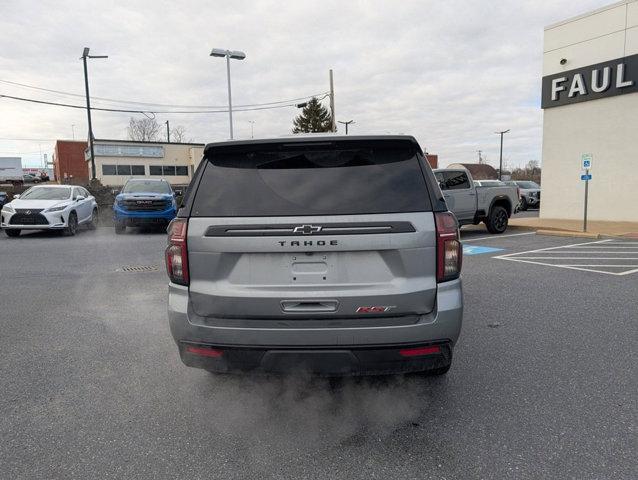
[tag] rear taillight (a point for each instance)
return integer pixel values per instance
(449, 252)
(204, 351)
(177, 252)
(417, 352)
(518, 192)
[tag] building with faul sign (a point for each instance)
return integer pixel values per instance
(590, 106)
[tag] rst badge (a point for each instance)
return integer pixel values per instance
(375, 309)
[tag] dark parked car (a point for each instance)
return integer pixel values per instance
(3, 198)
(144, 201)
(28, 178)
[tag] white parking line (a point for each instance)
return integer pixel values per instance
(580, 252)
(606, 246)
(605, 266)
(564, 255)
(579, 258)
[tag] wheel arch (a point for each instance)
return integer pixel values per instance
(501, 201)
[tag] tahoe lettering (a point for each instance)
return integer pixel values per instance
(307, 243)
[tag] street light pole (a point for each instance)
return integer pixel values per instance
(168, 132)
(252, 128)
(500, 168)
(346, 124)
(237, 55)
(85, 55)
(333, 125)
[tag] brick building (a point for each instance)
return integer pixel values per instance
(68, 161)
(479, 171)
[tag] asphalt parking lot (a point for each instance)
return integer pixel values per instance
(543, 384)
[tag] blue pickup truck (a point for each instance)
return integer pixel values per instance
(144, 201)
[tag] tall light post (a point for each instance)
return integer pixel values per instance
(333, 123)
(500, 162)
(236, 55)
(252, 128)
(346, 124)
(85, 55)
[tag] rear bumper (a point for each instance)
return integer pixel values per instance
(318, 361)
(336, 348)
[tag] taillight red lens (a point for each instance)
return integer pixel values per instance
(204, 351)
(449, 252)
(417, 352)
(177, 252)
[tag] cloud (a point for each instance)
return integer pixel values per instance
(450, 73)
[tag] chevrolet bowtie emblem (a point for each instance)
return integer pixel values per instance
(307, 229)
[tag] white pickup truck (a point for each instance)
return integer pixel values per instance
(472, 205)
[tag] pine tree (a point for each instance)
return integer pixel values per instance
(314, 118)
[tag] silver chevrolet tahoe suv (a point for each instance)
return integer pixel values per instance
(328, 254)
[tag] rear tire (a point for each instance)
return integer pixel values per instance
(92, 225)
(12, 232)
(497, 220)
(120, 228)
(72, 225)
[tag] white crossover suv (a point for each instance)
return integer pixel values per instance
(50, 207)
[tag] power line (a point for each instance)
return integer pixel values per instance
(131, 102)
(31, 100)
(29, 139)
(143, 112)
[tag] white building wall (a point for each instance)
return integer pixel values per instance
(178, 155)
(606, 128)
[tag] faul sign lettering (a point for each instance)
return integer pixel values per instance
(615, 77)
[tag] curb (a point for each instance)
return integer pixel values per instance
(569, 233)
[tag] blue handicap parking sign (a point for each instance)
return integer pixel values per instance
(477, 250)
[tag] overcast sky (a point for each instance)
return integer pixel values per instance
(448, 72)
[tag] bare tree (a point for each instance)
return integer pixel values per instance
(178, 134)
(143, 129)
(531, 171)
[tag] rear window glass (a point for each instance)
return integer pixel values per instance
(322, 178)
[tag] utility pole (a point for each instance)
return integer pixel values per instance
(480, 158)
(332, 103)
(346, 124)
(168, 131)
(85, 55)
(252, 128)
(500, 162)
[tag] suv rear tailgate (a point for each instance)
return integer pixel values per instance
(251, 275)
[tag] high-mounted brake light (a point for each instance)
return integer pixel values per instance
(177, 252)
(449, 252)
